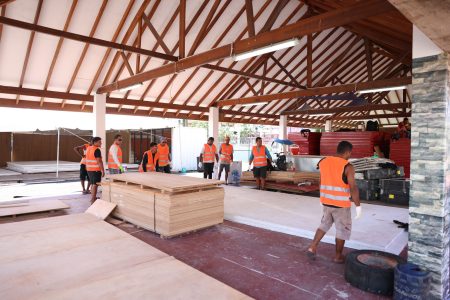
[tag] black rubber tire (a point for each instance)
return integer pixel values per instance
(367, 277)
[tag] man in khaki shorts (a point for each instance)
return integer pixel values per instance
(337, 191)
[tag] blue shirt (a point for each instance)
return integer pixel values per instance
(267, 154)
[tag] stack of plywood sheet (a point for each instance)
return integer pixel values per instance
(165, 203)
(281, 176)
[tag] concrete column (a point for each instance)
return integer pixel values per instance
(429, 209)
(328, 126)
(213, 123)
(283, 130)
(100, 121)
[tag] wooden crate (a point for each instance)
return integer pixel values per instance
(167, 204)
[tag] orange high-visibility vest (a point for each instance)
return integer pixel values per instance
(151, 163)
(91, 161)
(209, 153)
(333, 190)
(259, 158)
(163, 152)
(83, 159)
(225, 153)
(111, 163)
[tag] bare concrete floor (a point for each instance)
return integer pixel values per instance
(261, 263)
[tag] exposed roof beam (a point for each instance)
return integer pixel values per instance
(371, 117)
(347, 109)
(250, 18)
(182, 30)
(4, 2)
(26, 104)
(351, 13)
(83, 38)
(382, 83)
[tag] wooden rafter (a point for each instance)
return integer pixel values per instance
(283, 68)
(58, 46)
(3, 3)
(182, 34)
(85, 49)
(81, 38)
(274, 15)
(341, 109)
(155, 33)
(313, 24)
(30, 45)
(127, 63)
(114, 38)
(319, 91)
(250, 18)
(2, 14)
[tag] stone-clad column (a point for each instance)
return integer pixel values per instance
(430, 174)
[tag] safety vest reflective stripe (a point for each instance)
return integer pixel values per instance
(151, 163)
(163, 152)
(209, 153)
(259, 157)
(91, 161)
(333, 197)
(334, 188)
(111, 163)
(225, 153)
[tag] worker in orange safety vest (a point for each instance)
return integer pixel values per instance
(226, 157)
(164, 156)
(115, 156)
(338, 190)
(259, 156)
(208, 157)
(94, 166)
(150, 159)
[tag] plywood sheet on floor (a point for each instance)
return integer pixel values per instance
(30, 167)
(33, 207)
(80, 256)
(301, 215)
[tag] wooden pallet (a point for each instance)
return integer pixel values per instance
(166, 204)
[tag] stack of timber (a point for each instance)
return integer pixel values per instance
(165, 203)
(285, 176)
(32, 167)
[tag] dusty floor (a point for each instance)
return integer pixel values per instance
(257, 262)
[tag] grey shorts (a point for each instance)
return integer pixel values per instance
(342, 219)
(224, 166)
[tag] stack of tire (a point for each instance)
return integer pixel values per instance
(386, 274)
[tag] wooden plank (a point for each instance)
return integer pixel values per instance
(79, 256)
(33, 207)
(280, 176)
(33, 277)
(165, 278)
(101, 209)
(165, 182)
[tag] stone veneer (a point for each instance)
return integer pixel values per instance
(430, 173)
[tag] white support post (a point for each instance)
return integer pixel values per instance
(283, 130)
(328, 126)
(100, 121)
(213, 123)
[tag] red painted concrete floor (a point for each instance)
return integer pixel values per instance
(260, 263)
